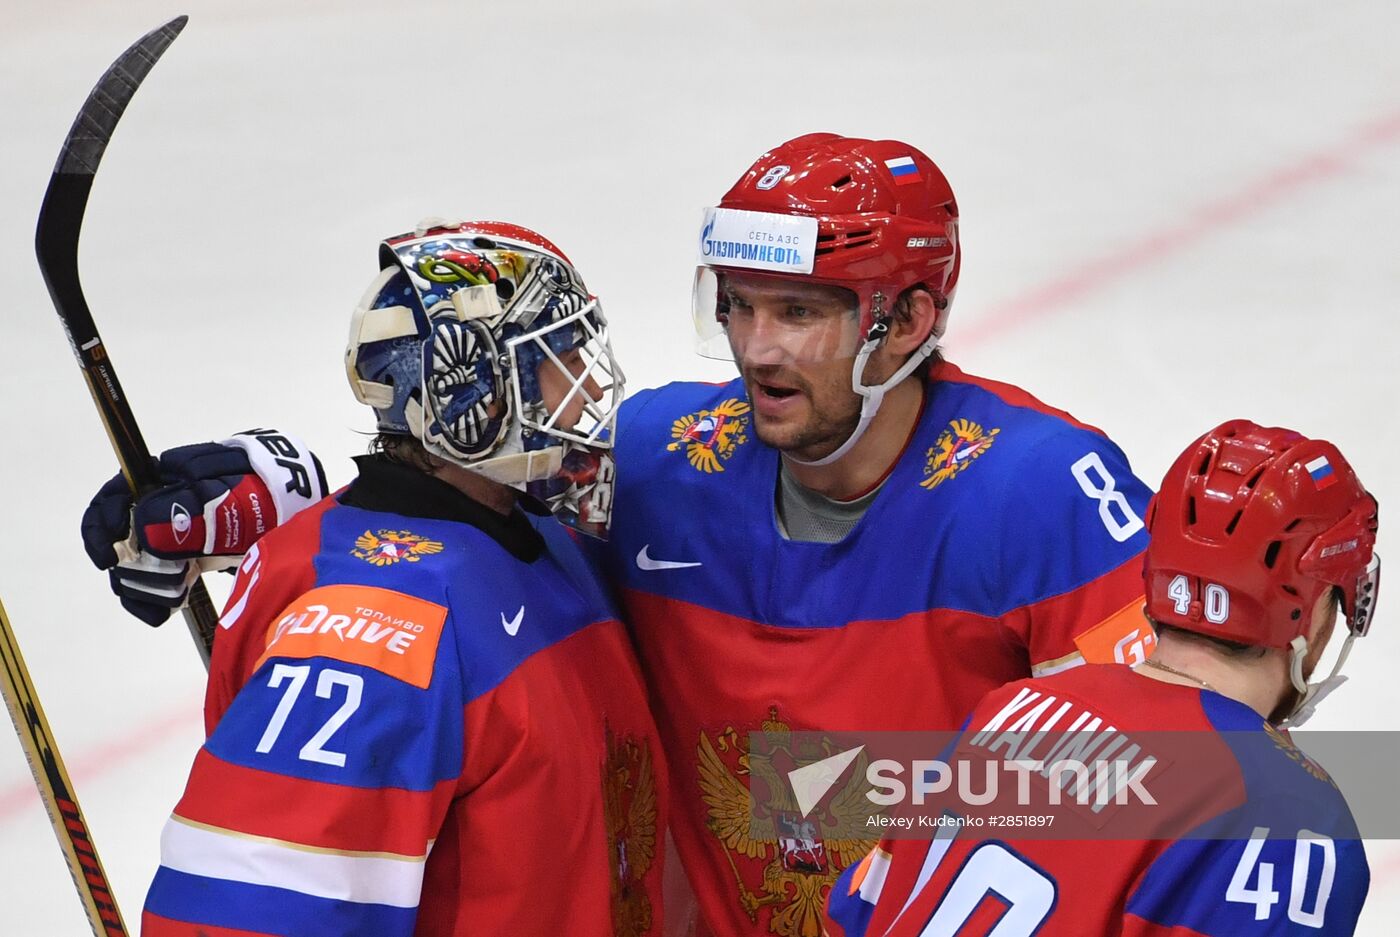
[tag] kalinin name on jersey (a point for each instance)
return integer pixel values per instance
(1061, 741)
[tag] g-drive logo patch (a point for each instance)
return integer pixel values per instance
(758, 240)
(393, 633)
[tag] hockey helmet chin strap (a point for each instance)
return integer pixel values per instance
(873, 395)
(1311, 694)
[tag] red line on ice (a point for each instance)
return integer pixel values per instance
(1154, 246)
(98, 761)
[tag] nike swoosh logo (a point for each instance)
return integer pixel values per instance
(513, 625)
(645, 562)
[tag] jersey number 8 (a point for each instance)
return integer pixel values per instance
(1116, 513)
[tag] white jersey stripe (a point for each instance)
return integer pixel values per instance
(875, 873)
(365, 879)
(1068, 662)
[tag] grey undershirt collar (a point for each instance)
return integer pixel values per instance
(809, 517)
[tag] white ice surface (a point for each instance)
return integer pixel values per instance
(1174, 213)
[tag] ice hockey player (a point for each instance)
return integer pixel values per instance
(423, 710)
(854, 534)
(1258, 537)
(848, 523)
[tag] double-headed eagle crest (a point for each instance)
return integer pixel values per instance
(1297, 755)
(754, 814)
(711, 436)
(629, 810)
(390, 546)
(954, 450)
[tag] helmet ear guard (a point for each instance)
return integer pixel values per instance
(1333, 558)
(1367, 593)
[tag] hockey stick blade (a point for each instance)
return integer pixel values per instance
(55, 789)
(56, 242)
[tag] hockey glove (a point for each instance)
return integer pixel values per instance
(216, 500)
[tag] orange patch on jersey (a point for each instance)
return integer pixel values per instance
(862, 870)
(1125, 637)
(391, 632)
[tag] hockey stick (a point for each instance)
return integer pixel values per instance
(55, 788)
(60, 223)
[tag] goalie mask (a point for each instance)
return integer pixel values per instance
(480, 340)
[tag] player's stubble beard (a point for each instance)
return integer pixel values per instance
(832, 410)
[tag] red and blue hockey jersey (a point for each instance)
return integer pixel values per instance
(1243, 835)
(423, 718)
(1006, 541)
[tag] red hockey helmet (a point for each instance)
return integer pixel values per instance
(1251, 526)
(882, 219)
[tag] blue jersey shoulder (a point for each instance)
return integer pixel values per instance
(997, 503)
(1288, 860)
(1285, 790)
(358, 685)
(1256, 887)
(501, 609)
(1039, 453)
(394, 584)
(1046, 504)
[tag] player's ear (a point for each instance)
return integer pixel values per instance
(913, 318)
